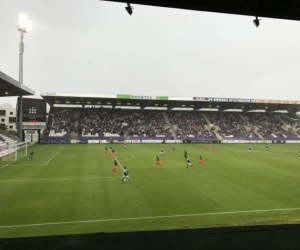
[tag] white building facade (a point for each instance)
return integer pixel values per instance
(8, 116)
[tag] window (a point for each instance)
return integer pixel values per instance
(2, 120)
(2, 112)
(12, 119)
(11, 113)
(11, 127)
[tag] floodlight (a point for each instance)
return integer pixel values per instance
(24, 23)
(256, 22)
(129, 9)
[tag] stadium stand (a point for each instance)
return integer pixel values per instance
(5, 141)
(105, 124)
(190, 124)
(269, 126)
(117, 124)
(231, 126)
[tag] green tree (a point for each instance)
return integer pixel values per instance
(3, 126)
(13, 132)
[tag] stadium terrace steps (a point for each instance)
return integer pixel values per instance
(218, 135)
(256, 128)
(217, 127)
(74, 136)
(297, 134)
(259, 135)
(6, 140)
(248, 127)
(171, 130)
(282, 121)
(206, 119)
(244, 119)
(7, 134)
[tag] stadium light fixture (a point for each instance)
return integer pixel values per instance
(129, 9)
(256, 22)
(24, 23)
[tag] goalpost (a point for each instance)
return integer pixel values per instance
(14, 151)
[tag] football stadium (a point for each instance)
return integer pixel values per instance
(246, 156)
(110, 164)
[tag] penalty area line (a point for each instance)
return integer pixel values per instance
(152, 217)
(22, 157)
(51, 158)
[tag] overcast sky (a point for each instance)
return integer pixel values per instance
(91, 46)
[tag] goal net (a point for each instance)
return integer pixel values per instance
(14, 151)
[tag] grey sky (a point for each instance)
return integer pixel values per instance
(90, 46)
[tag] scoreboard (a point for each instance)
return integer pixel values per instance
(34, 110)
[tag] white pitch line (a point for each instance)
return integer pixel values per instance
(117, 161)
(23, 157)
(129, 158)
(51, 158)
(28, 165)
(60, 179)
(152, 217)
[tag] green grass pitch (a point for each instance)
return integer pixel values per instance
(71, 189)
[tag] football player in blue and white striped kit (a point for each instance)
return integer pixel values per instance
(126, 175)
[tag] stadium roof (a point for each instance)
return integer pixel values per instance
(280, 9)
(11, 87)
(169, 102)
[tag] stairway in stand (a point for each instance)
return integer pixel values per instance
(172, 128)
(73, 136)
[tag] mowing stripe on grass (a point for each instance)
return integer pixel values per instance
(60, 179)
(151, 217)
(22, 157)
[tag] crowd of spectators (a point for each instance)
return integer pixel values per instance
(230, 125)
(189, 123)
(267, 124)
(151, 123)
(290, 119)
(60, 120)
(91, 121)
(148, 123)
